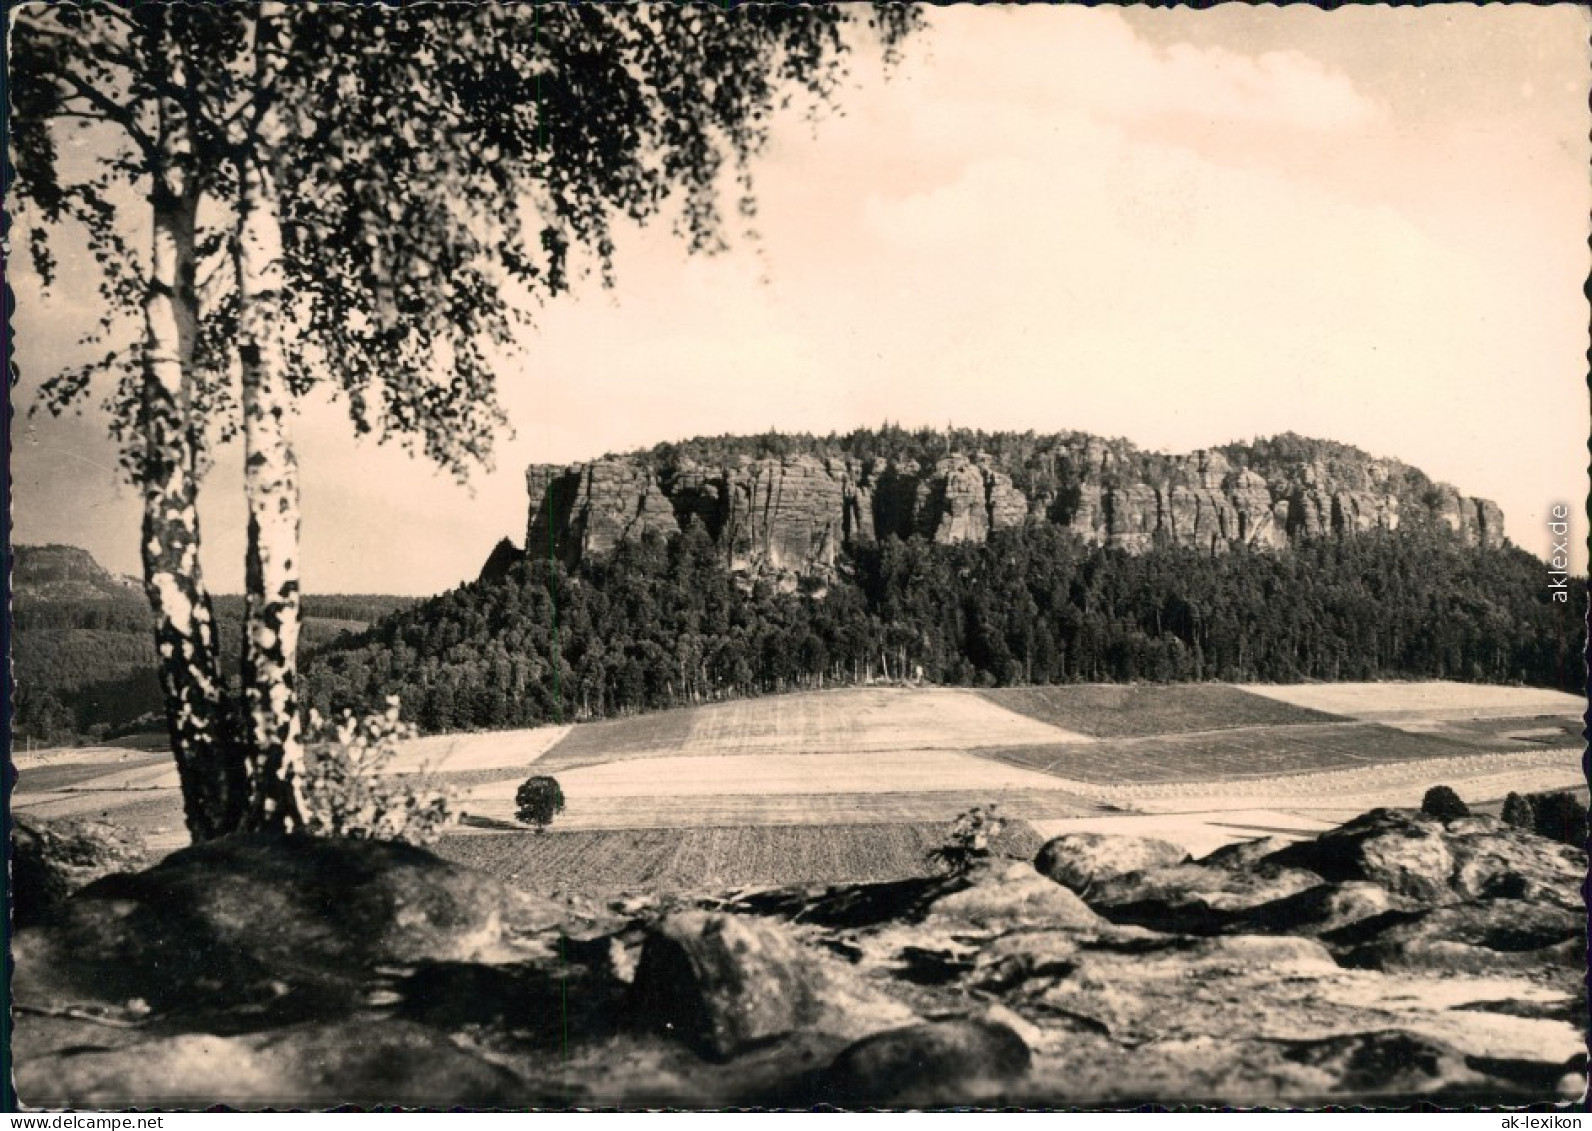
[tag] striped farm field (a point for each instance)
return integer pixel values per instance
(643, 736)
(1139, 710)
(1434, 699)
(852, 721)
(1231, 755)
(654, 860)
(1532, 732)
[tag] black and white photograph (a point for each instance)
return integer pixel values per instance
(753, 556)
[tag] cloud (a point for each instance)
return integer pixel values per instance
(1092, 62)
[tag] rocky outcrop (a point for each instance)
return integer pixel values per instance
(1079, 861)
(1400, 958)
(52, 859)
(793, 513)
(937, 1064)
(318, 1065)
(504, 557)
(1425, 858)
(252, 919)
(67, 573)
(592, 508)
(725, 984)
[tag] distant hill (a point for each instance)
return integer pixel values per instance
(67, 573)
(83, 652)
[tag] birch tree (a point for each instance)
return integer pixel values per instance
(402, 184)
(129, 81)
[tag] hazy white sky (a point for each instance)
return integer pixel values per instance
(1181, 227)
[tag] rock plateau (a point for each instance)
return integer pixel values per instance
(792, 513)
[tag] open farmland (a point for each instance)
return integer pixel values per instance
(1230, 755)
(851, 722)
(1433, 699)
(685, 811)
(489, 750)
(788, 789)
(920, 756)
(891, 771)
(73, 767)
(715, 858)
(1507, 733)
(1111, 710)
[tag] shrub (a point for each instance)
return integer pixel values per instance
(969, 839)
(1518, 812)
(1561, 817)
(538, 801)
(1444, 804)
(350, 791)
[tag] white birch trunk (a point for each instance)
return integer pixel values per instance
(271, 604)
(208, 766)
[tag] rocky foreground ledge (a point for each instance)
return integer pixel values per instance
(1395, 960)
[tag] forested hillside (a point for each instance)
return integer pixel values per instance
(83, 652)
(661, 623)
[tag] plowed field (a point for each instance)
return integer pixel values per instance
(714, 858)
(1138, 710)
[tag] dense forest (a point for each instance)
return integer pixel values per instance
(662, 623)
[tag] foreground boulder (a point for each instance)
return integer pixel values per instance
(252, 918)
(1437, 861)
(1478, 936)
(316, 1065)
(52, 859)
(725, 984)
(1389, 1062)
(1080, 861)
(1193, 899)
(1318, 910)
(1013, 895)
(1243, 855)
(928, 1065)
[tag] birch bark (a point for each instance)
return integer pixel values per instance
(211, 774)
(271, 604)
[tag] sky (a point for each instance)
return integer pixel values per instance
(1180, 227)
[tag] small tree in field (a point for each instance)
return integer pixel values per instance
(538, 801)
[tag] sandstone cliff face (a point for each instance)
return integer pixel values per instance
(792, 514)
